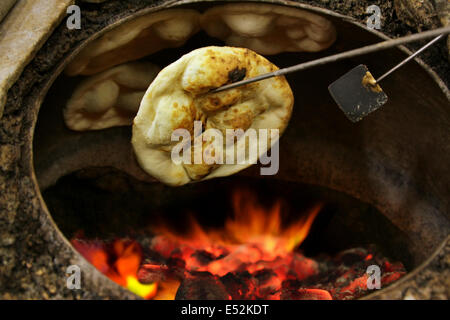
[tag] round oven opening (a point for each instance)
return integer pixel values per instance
(377, 184)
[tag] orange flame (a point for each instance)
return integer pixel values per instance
(254, 238)
(123, 269)
(252, 235)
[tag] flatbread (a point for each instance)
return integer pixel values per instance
(110, 98)
(178, 97)
(135, 39)
(268, 29)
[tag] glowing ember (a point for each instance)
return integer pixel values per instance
(254, 256)
(122, 269)
(253, 238)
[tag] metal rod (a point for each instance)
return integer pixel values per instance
(339, 56)
(410, 57)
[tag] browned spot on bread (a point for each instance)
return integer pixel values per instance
(237, 74)
(219, 101)
(240, 120)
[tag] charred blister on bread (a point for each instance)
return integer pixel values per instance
(237, 75)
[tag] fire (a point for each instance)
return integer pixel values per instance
(253, 234)
(253, 238)
(119, 263)
(253, 256)
(250, 224)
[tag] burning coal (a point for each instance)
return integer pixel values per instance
(254, 256)
(119, 261)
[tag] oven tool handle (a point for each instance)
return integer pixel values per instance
(344, 55)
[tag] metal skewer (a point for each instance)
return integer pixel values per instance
(348, 54)
(410, 57)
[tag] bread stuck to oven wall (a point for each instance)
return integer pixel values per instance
(110, 98)
(268, 29)
(135, 39)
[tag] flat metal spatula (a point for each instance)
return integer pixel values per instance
(357, 93)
